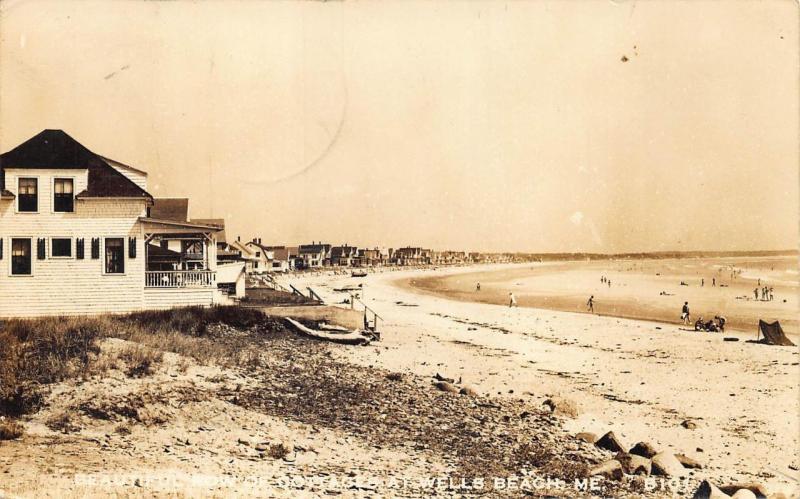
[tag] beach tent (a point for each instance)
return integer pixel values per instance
(773, 334)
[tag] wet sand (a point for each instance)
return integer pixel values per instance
(719, 286)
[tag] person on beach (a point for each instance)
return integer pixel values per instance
(590, 304)
(720, 322)
(609, 282)
(478, 287)
(713, 281)
(770, 294)
(755, 292)
(512, 301)
(685, 313)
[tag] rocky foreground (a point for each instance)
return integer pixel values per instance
(279, 415)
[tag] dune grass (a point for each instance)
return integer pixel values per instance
(37, 352)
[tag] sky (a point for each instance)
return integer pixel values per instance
(602, 126)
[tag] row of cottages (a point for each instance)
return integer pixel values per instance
(449, 257)
(80, 234)
(262, 258)
(412, 256)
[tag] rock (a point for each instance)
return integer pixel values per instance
(688, 462)
(643, 449)
(610, 469)
(756, 488)
(743, 494)
(446, 387)
(243, 441)
(633, 464)
(439, 377)
(689, 424)
(587, 437)
(469, 391)
(666, 464)
(708, 490)
(562, 406)
(777, 495)
(609, 442)
(262, 447)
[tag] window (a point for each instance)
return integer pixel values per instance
(27, 194)
(62, 195)
(21, 257)
(115, 256)
(61, 246)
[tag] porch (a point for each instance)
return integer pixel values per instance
(179, 255)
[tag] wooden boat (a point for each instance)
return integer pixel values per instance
(334, 334)
(358, 273)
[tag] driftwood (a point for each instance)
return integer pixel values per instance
(349, 338)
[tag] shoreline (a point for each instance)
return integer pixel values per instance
(631, 306)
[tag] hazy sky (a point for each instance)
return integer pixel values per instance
(470, 125)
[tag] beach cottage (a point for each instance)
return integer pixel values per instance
(77, 236)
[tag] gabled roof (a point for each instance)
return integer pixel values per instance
(175, 209)
(56, 149)
(216, 222)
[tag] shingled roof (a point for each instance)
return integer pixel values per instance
(56, 149)
(214, 222)
(174, 209)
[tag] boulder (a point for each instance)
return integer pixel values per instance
(469, 391)
(643, 449)
(756, 488)
(562, 406)
(743, 494)
(689, 424)
(587, 437)
(446, 386)
(708, 490)
(666, 464)
(610, 469)
(610, 442)
(688, 462)
(633, 464)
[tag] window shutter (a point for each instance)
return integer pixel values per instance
(131, 247)
(41, 248)
(95, 248)
(79, 248)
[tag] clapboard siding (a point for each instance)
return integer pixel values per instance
(69, 286)
(159, 298)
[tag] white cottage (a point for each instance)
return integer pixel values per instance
(76, 237)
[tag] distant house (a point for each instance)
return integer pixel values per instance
(345, 256)
(244, 253)
(412, 256)
(313, 255)
(262, 257)
(283, 258)
(371, 257)
(80, 234)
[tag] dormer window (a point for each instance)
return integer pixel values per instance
(63, 200)
(28, 194)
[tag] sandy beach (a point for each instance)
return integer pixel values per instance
(641, 379)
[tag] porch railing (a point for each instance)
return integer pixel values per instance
(180, 279)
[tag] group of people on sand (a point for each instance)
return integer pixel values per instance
(766, 293)
(717, 324)
(605, 280)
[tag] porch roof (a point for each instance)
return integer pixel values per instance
(157, 226)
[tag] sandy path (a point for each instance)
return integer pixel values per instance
(640, 379)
